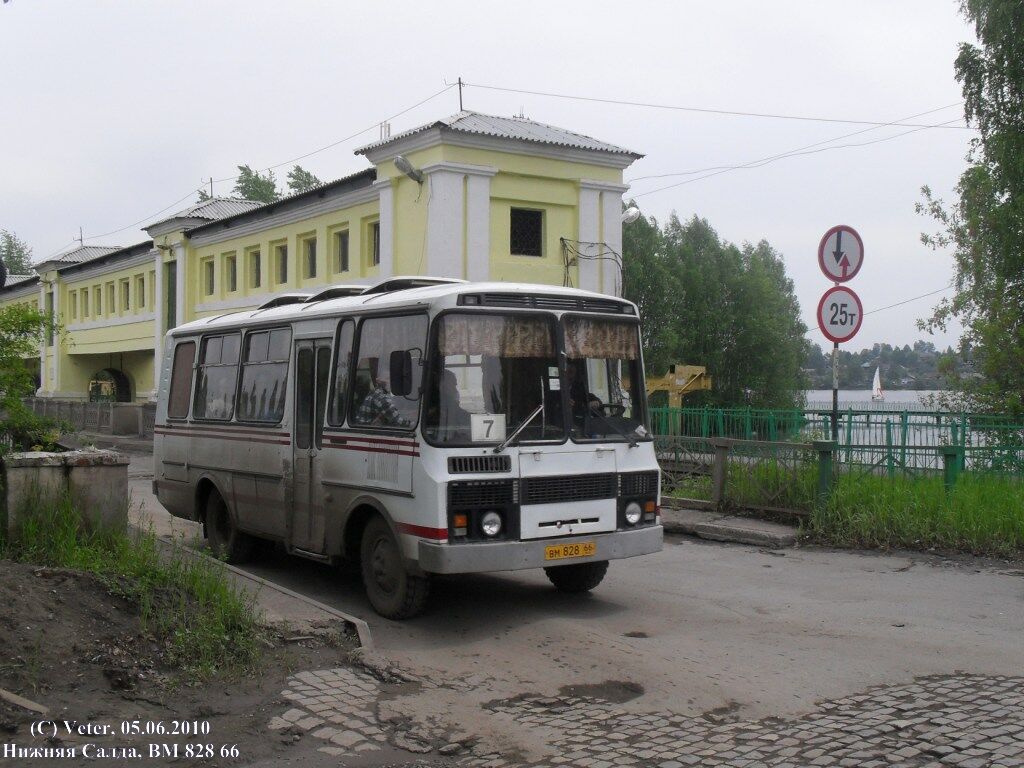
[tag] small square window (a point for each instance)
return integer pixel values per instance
(341, 251)
(255, 269)
(526, 232)
(231, 273)
(309, 258)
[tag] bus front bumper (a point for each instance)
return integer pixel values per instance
(479, 557)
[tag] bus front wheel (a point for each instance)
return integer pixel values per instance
(393, 592)
(226, 542)
(581, 577)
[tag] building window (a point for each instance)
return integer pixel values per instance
(111, 300)
(152, 289)
(526, 232)
(126, 295)
(255, 269)
(97, 296)
(208, 277)
(341, 251)
(309, 258)
(281, 259)
(85, 303)
(140, 291)
(73, 305)
(231, 273)
(375, 244)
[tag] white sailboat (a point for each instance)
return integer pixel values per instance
(876, 388)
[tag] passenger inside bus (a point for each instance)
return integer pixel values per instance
(377, 407)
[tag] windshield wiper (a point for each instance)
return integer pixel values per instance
(522, 425)
(630, 437)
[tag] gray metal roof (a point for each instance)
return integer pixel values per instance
(214, 209)
(508, 128)
(15, 279)
(82, 253)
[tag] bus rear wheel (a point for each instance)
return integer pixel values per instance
(393, 592)
(581, 577)
(226, 542)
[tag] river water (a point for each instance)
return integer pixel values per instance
(895, 400)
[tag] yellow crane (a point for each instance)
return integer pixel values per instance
(680, 381)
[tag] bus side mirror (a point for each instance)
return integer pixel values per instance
(401, 372)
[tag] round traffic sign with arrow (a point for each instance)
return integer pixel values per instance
(841, 253)
(840, 314)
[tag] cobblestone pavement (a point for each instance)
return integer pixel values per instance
(961, 720)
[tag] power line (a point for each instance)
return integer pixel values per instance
(791, 153)
(277, 165)
(705, 110)
(813, 323)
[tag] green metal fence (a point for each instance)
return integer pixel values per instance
(883, 442)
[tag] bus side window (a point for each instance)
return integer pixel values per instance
(218, 373)
(342, 362)
(264, 373)
(181, 380)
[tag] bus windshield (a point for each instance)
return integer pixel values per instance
(488, 374)
(603, 378)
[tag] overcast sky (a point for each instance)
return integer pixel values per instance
(112, 111)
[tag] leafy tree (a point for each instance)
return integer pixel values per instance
(15, 253)
(203, 194)
(253, 185)
(301, 180)
(707, 302)
(984, 226)
(21, 329)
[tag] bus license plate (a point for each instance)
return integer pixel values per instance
(564, 551)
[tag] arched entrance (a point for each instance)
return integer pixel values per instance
(110, 385)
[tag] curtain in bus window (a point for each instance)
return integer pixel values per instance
(496, 336)
(218, 374)
(264, 373)
(603, 339)
(181, 380)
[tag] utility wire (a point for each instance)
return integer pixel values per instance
(271, 167)
(812, 325)
(735, 113)
(772, 158)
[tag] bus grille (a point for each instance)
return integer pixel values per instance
(463, 465)
(638, 484)
(555, 490)
(479, 494)
(547, 301)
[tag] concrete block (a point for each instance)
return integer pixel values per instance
(97, 482)
(125, 419)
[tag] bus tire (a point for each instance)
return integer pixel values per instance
(581, 577)
(227, 543)
(393, 592)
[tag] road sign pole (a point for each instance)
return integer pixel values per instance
(835, 391)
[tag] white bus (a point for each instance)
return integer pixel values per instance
(419, 426)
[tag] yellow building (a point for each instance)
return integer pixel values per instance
(472, 196)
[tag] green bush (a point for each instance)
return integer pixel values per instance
(206, 625)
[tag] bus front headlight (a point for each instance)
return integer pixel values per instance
(633, 513)
(490, 524)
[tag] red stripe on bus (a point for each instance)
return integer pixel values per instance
(242, 438)
(370, 449)
(423, 531)
(339, 437)
(216, 428)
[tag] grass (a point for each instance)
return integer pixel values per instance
(206, 625)
(983, 514)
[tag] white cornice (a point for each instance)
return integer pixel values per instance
(88, 273)
(111, 322)
(315, 207)
(603, 186)
(466, 168)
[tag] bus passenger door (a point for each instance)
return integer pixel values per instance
(312, 377)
